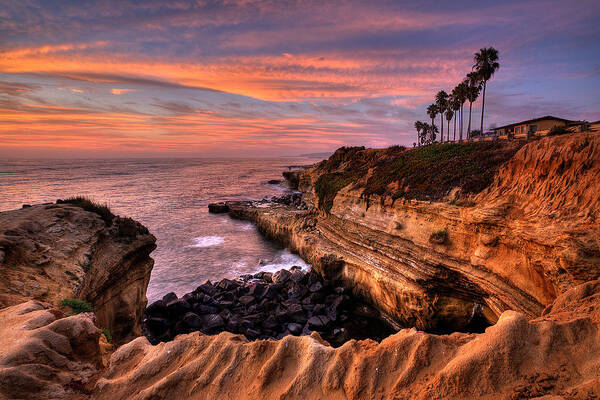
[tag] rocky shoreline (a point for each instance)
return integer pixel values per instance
(267, 306)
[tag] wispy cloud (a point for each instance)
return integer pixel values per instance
(239, 76)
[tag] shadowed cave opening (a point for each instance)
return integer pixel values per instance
(271, 306)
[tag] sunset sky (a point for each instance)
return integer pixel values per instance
(267, 78)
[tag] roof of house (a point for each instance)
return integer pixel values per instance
(534, 120)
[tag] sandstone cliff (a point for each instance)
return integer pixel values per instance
(557, 354)
(57, 251)
(531, 234)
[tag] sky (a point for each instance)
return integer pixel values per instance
(245, 78)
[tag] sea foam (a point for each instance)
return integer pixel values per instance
(208, 241)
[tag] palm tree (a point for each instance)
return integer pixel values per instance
(432, 111)
(486, 63)
(455, 105)
(419, 127)
(473, 87)
(430, 130)
(449, 116)
(441, 100)
(461, 92)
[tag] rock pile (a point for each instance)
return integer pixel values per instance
(266, 306)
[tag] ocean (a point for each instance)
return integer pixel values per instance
(170, 197)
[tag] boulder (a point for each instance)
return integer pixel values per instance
(205, 309)
(169, 297)
(246, 300)
(294, 328)
(178, 307)
(192, 320)
(281, 276)
(212, 321)
(218, 208)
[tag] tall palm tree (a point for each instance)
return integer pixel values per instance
(449, 116)
(419, 127)
(486, 63)
(463, 98)
(473, 88)
(431, 130)
(441, 101)
(432, 111)
(455, 105)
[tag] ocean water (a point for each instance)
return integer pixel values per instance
(170, 197)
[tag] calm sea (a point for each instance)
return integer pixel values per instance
(170, 197)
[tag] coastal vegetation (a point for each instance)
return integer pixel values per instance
(439, 237)
(423, 173)
(78, 306)
(89, 205)
(450, 106)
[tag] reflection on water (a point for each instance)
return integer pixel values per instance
(170, 197)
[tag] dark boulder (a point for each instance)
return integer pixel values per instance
(212, 321)
(227, 284)
(193, 320)
(294, 328)
(204, 309)
(281, 276)
(246, 300)
(218, 208)
(207, 288)
(318, 322)
(169, 297)
(157, 309)
(157, 326)
(315, 287)
(178, 307)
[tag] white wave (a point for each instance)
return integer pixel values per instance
(284, 260)
(208, 241)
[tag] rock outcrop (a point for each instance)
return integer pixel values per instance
(557, 354)
(531, 235)
(45, 355)
(56, 251)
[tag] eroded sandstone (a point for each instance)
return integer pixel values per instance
(57, 251)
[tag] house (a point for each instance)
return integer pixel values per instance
(537, 126)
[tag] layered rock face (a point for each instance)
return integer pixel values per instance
(57, 251)
(557, 354)
(532, 234)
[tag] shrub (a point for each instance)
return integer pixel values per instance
(558, 130)
(78, 306)
(439, 237)
(107, 335)
(88, 205)
(327, 187)
(430, 172)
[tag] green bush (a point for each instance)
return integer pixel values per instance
(327, 187)
(88, 205)
(107, 335)
(430, 172)
(78, 306)
(439, 237)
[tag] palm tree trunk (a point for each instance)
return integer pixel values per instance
(432, 127)
(448, 130)
(454, 139)
(482, 107)
(442, 127)
(461, 122)
(469, 127)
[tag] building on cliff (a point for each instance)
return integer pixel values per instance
(538, 127)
